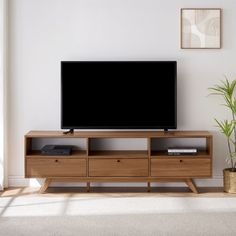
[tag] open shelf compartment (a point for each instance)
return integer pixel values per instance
(159, 147)
(118, 148)
(34, 145)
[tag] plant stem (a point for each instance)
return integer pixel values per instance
(230, 153)
(234, 164)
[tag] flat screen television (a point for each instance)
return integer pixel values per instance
(118, 95)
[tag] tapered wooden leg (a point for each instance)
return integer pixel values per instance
(45, 185)
(88, 187)
(191, 185)
(149, 187)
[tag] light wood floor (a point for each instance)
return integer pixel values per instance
(115, 192)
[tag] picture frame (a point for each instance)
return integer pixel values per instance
(200, 28)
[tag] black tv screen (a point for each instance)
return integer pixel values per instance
(118, 94)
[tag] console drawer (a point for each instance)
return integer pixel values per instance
(55, 167)
(180, 167)
(116, 167)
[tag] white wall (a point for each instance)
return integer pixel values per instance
(3, 63)
(44, 32)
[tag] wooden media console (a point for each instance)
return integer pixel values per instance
(86, 164)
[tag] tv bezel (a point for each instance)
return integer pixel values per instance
(128, 127)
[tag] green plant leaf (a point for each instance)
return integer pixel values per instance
(226, 88)
(226, 127)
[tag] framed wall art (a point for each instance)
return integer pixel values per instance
(200, 28)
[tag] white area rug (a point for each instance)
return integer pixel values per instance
(108, 215)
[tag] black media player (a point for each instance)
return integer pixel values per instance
(57, 150)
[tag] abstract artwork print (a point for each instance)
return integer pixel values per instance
(200, 28)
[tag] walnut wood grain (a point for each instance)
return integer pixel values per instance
(118, 134)
(52, 167)
(173, 167)
(118, 167)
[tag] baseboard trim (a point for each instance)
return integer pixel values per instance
(20, 181)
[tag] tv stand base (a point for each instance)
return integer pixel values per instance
(71, 131)
(189, 182)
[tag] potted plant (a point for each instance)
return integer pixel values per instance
(226, 89)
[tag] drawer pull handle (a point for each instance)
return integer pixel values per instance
(118, 160)
(56, 160)
(180, 160)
